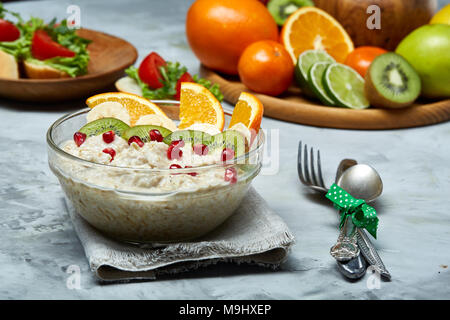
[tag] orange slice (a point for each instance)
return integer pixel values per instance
(198, 105)
(248, 111)
(137, 106)
(312, 28)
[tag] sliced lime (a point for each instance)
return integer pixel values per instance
(315, 77)
(304, 63)
(345, 86)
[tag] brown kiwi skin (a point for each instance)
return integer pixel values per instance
(377, 100)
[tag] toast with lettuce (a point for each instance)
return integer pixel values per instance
(42, 50)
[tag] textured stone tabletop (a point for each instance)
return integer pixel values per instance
(38, 244)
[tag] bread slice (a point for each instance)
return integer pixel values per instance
(9, 67)
(129, 85)
(37, 71)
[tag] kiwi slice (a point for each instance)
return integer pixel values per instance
(282, 9)
(143, 132)
(190, 136)
(103, 125)
(231, 139)
(391, 82)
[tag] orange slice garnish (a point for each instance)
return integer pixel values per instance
(198, 105)
(248, 111)
(312, 28)
(137, 106)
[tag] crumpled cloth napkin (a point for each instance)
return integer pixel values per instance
(253, 234)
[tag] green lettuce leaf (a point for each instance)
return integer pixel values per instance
(170, 73)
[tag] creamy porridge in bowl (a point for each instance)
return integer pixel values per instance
(157, 187)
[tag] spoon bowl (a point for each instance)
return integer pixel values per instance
(362, 182)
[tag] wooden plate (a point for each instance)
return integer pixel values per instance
(109, 57)
(292, 107)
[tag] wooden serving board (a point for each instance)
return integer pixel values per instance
(293, 107)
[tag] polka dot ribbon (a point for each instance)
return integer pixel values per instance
(363, 216)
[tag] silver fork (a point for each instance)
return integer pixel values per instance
(345, 248)
(313, 180)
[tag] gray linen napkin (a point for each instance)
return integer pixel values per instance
(254, 234)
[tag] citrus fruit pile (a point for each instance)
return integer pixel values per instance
(313, 48)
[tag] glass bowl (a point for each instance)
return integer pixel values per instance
(133, 205)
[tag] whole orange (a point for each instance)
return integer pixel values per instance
(218, 31)
(266, 67)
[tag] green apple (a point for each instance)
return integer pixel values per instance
(427, 49)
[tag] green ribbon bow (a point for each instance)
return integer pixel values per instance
(363, 216)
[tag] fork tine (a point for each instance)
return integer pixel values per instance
(313, 169)
(306, 169)
(299, 164)
(321, 183)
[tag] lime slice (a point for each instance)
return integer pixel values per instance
(345, 86)
(304, 63)
(315, 77)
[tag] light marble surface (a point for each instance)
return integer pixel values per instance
(38, 244)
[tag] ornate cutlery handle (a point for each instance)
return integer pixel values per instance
(370, 253)
(345, 248)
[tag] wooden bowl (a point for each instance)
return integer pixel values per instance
(109, 57)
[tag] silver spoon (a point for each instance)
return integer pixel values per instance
(363, 182)
(354, 268)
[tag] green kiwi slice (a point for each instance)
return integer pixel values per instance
(103, 125)
(190, 136)
(231, 139)
(392, 82)
(282, 9)
(143, 132)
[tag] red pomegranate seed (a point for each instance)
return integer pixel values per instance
(79, 138)
(191, 173)
(111, 152)
(201, 149)
(231, 175)
(174, 152)
(155, 135)
(136, 140)
(108, 137)
(177, 143)
(175, 166)
(227, 154)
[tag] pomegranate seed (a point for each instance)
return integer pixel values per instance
(201, 149)
(191, 173)
(108, 137)
(136, 140)
(177, 143)
(79, 138)
(175, 166)
(111, 152)
(174, 152)
(155, 135)
(227, 154)
(231, 175)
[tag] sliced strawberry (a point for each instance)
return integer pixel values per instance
(185, 77)
(43, 47)
(8, 31)
(149, 70)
